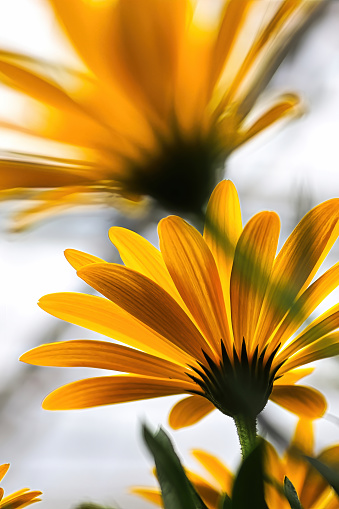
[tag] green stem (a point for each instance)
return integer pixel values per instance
(247, 433)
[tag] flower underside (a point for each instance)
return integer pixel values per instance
(240, 386)
(181, 175)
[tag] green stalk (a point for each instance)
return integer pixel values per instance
(247, 433)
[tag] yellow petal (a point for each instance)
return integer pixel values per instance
(209, 494)
(291, 377)
(20, 498)
(325, 347)
(220, 473)
(102, 355)
(152, 495)
(148, 302)
(222, 230)
(194, 272)
(140, 255)
(298, 399)
(287, 105)
(3, 470)
(105, 317)
(302, 443)
(108, 390)
(189, 411)
(305, 305)
(320, 327)
(253, 259)
(79, 259)
(297, 262)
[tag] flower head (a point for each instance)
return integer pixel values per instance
(312, 489)
(208, 315)
(21, 498)
(163, 94)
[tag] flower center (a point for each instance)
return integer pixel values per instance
(182, 175)
(238, 386)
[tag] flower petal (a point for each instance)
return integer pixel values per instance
(222, 230)
(140, 255)
(102, 355)
(152, 495)
(105, 317)
(148, 302)
(79, 259)
(108, 390)
(298, 399)
(292, 377)
(297, 263)
(189, 411)
(325, 347)
(194, 272)
(305, 305)
(253, 260)
(3, 470)
(220, 473)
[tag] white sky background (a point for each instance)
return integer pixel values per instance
(97, 454)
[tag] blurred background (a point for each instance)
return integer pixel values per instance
(97, 454)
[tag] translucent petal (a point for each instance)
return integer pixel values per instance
(298, 399)
(189, 411)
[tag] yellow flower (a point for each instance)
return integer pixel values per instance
(313, 491)
(20, 498)
(211, 316)
(162, 95)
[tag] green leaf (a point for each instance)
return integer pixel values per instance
(177, 491)
(291, 494)
(248, 488)
(225, 503)
(331, 475)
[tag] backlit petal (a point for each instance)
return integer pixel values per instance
(292, 377)
(194, 272)
(3, 470)
(79, 259)
(102, 355)
(298, 399)
(150, 494)
(297, 263)
(323, 348)
(251, 270)
(105, 317)
(220, 473)
(148, 302)
(189, 411)
(108, 390)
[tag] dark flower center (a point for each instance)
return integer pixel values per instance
(239, 386)
(183, 174)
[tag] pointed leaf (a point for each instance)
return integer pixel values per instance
(291, 494)
(331, 475)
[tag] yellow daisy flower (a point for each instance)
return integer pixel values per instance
(208, 315)
(313, 490)
(163, 96)
(20, 498)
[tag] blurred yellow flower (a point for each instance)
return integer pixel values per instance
(165, 93)
(20, 498)
(211, 316)
(313, 490)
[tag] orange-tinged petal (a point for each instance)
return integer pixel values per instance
(79, 259)
(3, 470)
(253, 259)
(20, 498)
(222, 230)
(305, 305)
(140, 255)
(297, 263)
(189, 411)
(323, 348)
(220, 473)
(298, 399)
(148, 302)
(108, 390)
(321, 326)
(209, 494)
(152, 495)
(102, 355)
(291, 377)
(105, 317)
(296, 466)
(194, 272)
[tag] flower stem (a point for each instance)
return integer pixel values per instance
(247, 433)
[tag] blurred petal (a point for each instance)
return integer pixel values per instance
(152, 495)
(303, 401)
(189, 411)
(220, 473)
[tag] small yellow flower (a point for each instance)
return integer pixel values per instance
(20, 498)
(313, 491)
(208, 315)
(162, 98)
